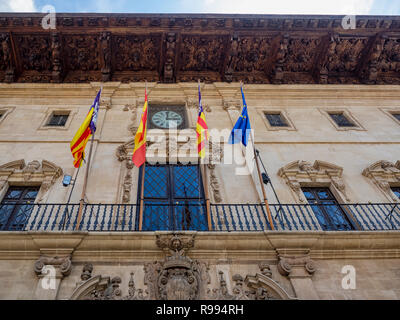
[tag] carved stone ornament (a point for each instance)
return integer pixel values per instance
(302, 173)
(257, 287)
(44, 173)
(62, 264)
(296, 266)
(177, 277)
(384, 174)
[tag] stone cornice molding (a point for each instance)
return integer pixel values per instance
(301, 173)
(384, 174)
(259, 246)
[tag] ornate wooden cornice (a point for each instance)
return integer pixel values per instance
(169, 48)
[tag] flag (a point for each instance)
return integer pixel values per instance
(201, 130)
(242, 129)
(82, 136)
(139, 152)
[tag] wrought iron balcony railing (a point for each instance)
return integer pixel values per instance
(193, 216)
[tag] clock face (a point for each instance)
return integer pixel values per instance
(167, 119)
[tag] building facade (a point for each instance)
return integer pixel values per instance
(323, 103)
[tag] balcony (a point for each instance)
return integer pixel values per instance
(192, 216)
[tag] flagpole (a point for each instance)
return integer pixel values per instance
(208, 206)
(142, 183)
(82, 201)
(260, 178)
(142, 197)
(205, 186)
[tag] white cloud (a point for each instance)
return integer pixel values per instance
(342, 7)
(17, 6)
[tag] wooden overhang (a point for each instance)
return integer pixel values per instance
(277, 49)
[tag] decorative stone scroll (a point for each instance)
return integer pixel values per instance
(302, 173)
(45, 173)
(296, 266)
(384, 174)
(63, 265)
(126, 170)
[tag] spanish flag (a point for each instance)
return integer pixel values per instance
(201, 130)
(139, 152)
(84, 133)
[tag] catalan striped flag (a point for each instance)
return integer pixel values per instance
(139, 152)
(201, 130)
(84, 133)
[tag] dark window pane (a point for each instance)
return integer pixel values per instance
(173, 199)
(58, 120)
(156, 182)
(309, 195)
(324, 194)
(276, 120)
(13, 194)
(341, 120)
(396, 115)
(396, 191)
(326, 209)
(31, 194)
(186, 181)
(16, 207)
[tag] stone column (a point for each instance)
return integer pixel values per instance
(50, 271)
(299, 269)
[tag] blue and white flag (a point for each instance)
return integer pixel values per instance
(95, 107)
(242, 129)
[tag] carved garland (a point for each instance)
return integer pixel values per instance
(302, 173)
(384, 174)
(45, 174)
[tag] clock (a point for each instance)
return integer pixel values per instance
(167, 119)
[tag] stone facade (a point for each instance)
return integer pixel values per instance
(357, 165)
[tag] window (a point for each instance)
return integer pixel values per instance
(396, 191)
(327, 210)
(58, 119)
(341, 120)
(4, 113)
(16, 207)
(167, 117)
(276, 119)
(396, 115)
(173, 198)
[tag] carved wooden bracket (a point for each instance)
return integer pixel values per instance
(384, 174)
(302, 173)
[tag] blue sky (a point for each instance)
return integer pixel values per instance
(373, 7)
